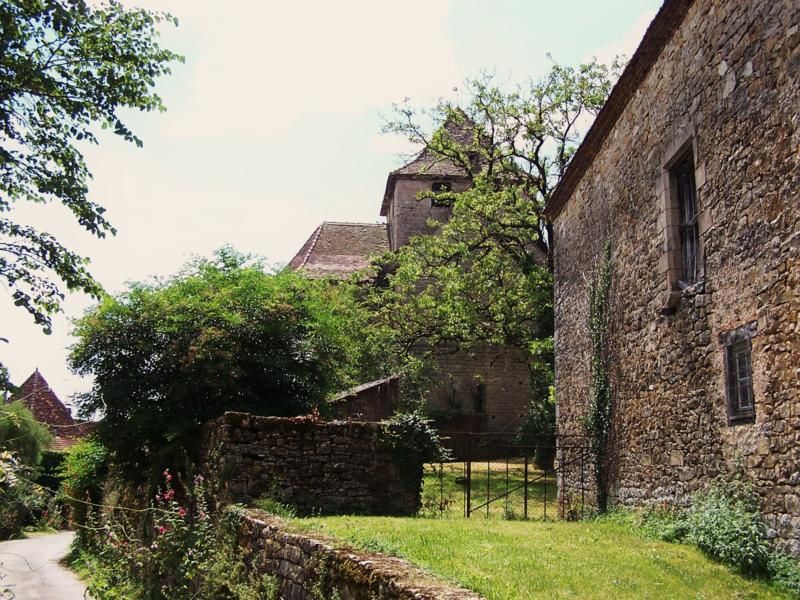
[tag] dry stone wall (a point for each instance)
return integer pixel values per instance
(312, 568)
(318, 467)
(728, 82)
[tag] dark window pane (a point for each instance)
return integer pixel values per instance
(740, 381)
(687, 203)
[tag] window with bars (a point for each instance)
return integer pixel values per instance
(739, 367)
(683, 174)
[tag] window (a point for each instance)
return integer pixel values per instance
(739, 376)
(479, 398)
(686, 192)
(440, 187)
(682, 218)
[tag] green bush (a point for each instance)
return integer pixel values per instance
(785, 572)
(82, 473)
(21, 434)
(20, 499)
(724, 521)
(664, 522)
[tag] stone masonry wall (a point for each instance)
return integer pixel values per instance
(310, 568)
(729, 79)
(327, 467)
(502, 372)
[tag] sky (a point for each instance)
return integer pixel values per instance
(273, 125)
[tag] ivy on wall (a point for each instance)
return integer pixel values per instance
(598, 417)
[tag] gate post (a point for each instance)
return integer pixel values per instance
(525, 509)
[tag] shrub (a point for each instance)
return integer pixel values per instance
(82, 473)
(785, 572)
(21, 434)
(726, 524)
(20, 498)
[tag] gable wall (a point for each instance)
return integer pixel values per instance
(730, 76)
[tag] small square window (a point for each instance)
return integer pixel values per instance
(739, 379)
(441, 187)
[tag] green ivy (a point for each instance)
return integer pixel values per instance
(598, 418)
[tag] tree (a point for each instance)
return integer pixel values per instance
(486, 274)
(65, 67)
(222, 335)
(21, 434)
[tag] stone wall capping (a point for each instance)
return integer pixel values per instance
(301, 561)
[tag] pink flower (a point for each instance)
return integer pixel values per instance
(161, 530)
(181, 512)
(169, 494)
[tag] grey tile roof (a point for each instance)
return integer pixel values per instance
(340, 249)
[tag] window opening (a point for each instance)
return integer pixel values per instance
(689, 235)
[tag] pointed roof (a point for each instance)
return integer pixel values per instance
(428, 165)
(37, 396)
(42, 401)
(340, 249)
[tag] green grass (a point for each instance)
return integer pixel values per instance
(442, 496)
(516, 560)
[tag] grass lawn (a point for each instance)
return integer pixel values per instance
(520, 560)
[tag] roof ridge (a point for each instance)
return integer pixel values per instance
(315, 235)
(353, 223)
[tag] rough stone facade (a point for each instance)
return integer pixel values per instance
(318, 467)
(719, 78)
(311, 567)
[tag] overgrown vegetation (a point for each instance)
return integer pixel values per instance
(188, 551)
(224, 334)
(724, 521)
(22, 441)
(82, 473)
(413, 443)
(598, 418)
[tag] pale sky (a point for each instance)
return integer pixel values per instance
(273, 125)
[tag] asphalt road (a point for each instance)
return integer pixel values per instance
(30, 568)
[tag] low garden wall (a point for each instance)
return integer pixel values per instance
(315, 466)
(309, 568)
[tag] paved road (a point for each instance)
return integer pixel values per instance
(30, 568)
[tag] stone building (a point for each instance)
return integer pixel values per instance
(484, 390)
(691, 172)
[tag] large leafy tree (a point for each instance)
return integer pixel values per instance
(486, 274)
(222, 335)
(66, 67)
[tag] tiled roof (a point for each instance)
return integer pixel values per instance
(340, 249)
(36, 395)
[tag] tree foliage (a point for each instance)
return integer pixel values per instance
(221, 335)
(485, 274)
(21, 434)
(65, 67)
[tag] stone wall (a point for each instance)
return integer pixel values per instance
(327, 467)
(312, 568)
(499, 375)
(727, 81)
(409, 216)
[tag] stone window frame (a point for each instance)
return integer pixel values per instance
(736, 341)
(669, 219)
